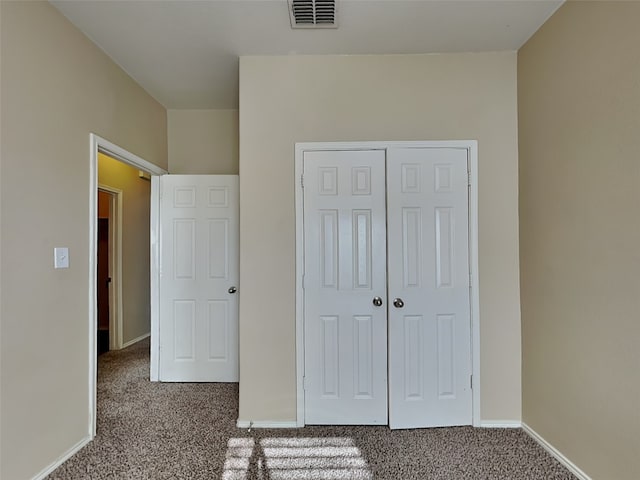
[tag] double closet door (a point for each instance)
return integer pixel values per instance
(387, 330)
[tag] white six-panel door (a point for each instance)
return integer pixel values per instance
(345, 244)
(345, 266)
(199, 270)
(429, 309)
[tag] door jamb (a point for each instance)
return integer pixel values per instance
(472, 165)
(115, 265)
(99, 144)
(154, 367)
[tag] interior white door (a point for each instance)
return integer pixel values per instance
(199, 273)
(344, 270)
(429, 311)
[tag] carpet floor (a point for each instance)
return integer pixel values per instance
(187, 431)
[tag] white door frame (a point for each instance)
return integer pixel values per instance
(472, 154)
(115, 265)
(154, 367)
(99, 144)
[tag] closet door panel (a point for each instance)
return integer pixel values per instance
(344, 269)
(428, 278)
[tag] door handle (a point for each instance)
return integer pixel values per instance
(398, 303)
(377, 301)
(232, 290)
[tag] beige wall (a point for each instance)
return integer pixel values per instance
(203, 141)
(579, 121)
(136, 206)
(291, 99)
(56, 88)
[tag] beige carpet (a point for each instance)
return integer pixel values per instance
(187, 431)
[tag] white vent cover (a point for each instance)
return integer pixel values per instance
(313, 13)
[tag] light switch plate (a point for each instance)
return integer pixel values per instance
(60, 257)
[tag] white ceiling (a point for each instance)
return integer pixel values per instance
(185, 52)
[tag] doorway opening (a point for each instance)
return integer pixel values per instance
(104, 275)
(109, 268)
(109, 235)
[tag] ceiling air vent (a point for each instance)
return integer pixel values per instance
(313, 13)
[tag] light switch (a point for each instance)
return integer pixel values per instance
(60, 257)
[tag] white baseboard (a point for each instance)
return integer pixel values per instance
(573, 468)
(294, 424)
(135, 340)
(500, 424)
(266, 424)
(65, 456)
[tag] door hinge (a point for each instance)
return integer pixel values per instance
(302, 180)
(470, 280)
(304, 383)
(471, 381)
(469, 178)
(304, 278)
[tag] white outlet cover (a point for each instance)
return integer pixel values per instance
(60, 257)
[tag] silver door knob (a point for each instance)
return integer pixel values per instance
(398, 303)
(377, 301)
(232, 290)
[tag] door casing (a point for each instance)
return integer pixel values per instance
(472, 158)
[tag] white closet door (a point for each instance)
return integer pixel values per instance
(199, 236)
(344, 269)
(429, 324)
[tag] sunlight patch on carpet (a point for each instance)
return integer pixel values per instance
(295, 459)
